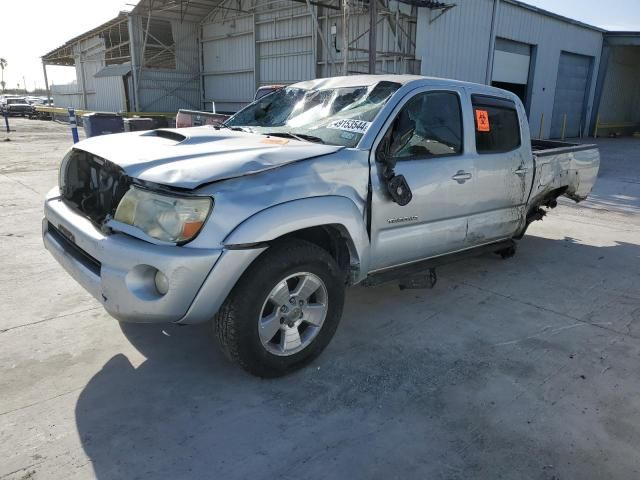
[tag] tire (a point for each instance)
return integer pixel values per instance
(239, 323)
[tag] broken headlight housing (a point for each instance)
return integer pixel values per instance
(168, 218)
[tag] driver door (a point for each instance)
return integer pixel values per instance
(440, 177)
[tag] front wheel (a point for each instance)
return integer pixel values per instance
(283, 311)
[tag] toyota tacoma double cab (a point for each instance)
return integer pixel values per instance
(258, 225)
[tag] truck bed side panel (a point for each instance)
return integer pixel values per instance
(573, 169)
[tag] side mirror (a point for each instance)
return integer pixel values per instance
(399, 190)
(394, 141)
(400, 136)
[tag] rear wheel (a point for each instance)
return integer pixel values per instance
(284, 310)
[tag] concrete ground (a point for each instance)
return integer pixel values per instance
(524, 368)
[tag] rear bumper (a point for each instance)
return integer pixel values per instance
(119, 270)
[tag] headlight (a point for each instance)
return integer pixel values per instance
(164, 217)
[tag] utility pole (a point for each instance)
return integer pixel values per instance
(373, 41)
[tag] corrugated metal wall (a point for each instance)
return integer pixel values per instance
(103, 93)
(395, 40)
(284, 45)
(621, 93)
(89, 59)
(456, 45)
(228, 52)
(167, 90)
(552, 37)
(69, 96)
(279, 44)
(109, 94)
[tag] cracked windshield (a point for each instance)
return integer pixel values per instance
(335, 116)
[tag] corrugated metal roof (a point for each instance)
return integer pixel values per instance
(197, 10)
(622, 38)
(63, 55)
(183, 10)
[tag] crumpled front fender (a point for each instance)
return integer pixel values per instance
(279, 220)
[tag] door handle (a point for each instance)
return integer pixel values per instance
(521, 171)
(461, 176)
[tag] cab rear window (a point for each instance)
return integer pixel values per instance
(497, 124)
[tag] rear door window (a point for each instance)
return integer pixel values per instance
(497, 124)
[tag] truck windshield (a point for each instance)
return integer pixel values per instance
(15, 101)
(336, 116)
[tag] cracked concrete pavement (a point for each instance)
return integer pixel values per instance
(522, 368)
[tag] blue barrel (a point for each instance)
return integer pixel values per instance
(102, 124)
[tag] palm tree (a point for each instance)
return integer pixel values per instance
(3, 63)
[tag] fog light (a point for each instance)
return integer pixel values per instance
(162, 283)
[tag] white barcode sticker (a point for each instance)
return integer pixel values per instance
(355, 126)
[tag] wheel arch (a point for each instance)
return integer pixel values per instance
(332, 222)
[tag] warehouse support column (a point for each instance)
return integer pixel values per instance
(345, 37)
(46, 83)
(83, 80)
(373, 41)
(597, 97)
(492, 42)
(320, 34)
(135, 60)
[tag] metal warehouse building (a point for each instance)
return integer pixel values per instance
(170, 54)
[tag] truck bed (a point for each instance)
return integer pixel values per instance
(554, 147)
(563, 168)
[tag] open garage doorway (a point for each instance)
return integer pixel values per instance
(618, 88)
(512, 68)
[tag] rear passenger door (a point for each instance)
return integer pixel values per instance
(503, 169)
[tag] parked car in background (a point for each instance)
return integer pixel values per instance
(38, 113)
(266, 90)
(39, 101)
(3, 100)
(194, 118)
(16, 106)
(258, 225)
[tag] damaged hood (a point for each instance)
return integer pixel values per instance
(190, 157)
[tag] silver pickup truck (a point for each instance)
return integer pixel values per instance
(258, 225)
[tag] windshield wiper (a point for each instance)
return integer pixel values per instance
(235, 129)
(298, 136)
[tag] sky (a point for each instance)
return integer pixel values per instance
(35, 27)
(31, 28)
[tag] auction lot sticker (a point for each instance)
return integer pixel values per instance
(354, 126)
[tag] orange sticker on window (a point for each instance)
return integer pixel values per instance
(482, 121)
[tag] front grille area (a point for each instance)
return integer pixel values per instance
(93, 185)
(74, 250)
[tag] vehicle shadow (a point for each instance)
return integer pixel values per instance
(186, 412)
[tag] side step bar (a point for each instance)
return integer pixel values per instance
(424, 267)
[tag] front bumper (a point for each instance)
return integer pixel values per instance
(18, 111)
(119, 270)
